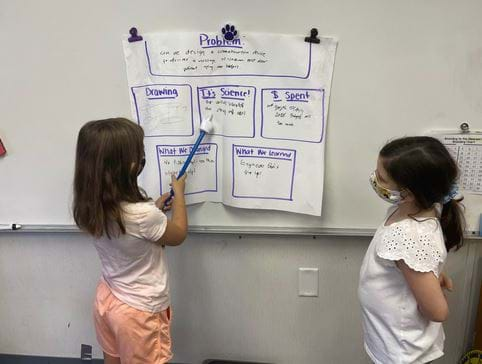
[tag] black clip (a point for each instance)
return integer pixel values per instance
(465, 128)
(313, 38)
(134, 37)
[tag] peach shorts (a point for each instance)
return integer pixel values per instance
(132, 335)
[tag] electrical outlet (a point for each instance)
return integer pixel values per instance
(308, 282)
(86, 352)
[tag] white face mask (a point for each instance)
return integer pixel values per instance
(390, 196)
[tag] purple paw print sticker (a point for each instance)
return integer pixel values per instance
(229, 32)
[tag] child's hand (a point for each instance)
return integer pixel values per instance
(445, 282)
(161, 202)
(178, 185)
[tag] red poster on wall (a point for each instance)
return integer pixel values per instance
(3, 151)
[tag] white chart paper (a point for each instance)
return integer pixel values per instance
(268, 95)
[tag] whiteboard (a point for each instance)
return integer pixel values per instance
(400, 69)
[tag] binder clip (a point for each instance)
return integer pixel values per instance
(313, 38)
(465, 128)
(134, 37)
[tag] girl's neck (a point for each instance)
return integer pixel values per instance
(408, 210)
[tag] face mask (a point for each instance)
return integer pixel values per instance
(384, 193)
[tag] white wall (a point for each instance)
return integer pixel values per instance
(232, 297)
(401, 68)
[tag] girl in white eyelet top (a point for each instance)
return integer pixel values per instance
(401, 280)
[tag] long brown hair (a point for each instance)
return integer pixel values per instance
(425, 167)
(109, 157)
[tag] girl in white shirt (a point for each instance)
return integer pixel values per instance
(132, 308)
(403, 305)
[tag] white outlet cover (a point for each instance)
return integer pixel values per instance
(308, 282)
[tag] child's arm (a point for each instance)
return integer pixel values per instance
(426, 288)
(176, 229)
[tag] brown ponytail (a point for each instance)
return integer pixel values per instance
(453, 224)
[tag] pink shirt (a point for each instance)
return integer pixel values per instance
(133, 265)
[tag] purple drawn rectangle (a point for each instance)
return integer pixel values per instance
(308, 71)
(293, 160)
(163, 84)
(300, 89)
(211, 98)
(198, 152)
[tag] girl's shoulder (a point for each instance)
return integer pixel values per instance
(140, 212)
(417, 241)
(138, 208)
(416, 226)
(144, 219)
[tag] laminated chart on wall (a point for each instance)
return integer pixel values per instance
(466, 149)
(268, 96)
